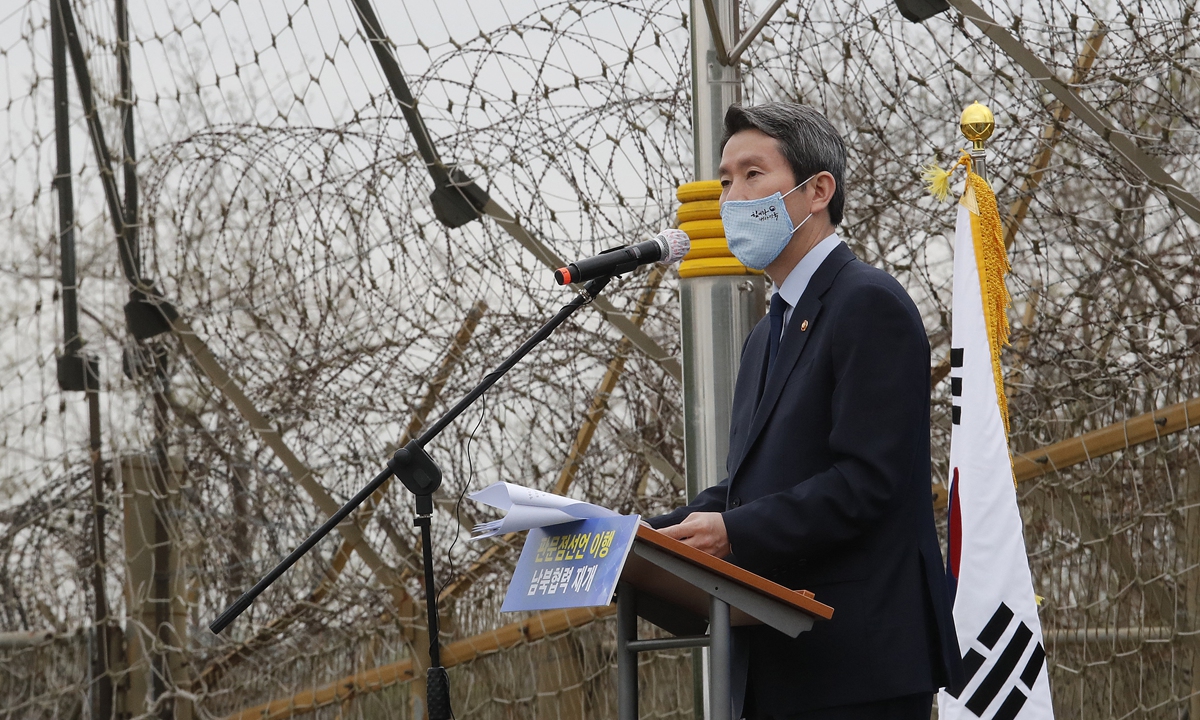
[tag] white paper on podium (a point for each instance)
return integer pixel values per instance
(527, 508)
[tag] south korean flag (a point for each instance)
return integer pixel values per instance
(994, 604)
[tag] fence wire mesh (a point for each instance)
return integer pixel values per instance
(284, 209)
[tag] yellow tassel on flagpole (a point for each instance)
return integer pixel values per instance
(937, 180)
(992, 260)
(990, 257)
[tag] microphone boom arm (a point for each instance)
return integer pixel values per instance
(421, 475)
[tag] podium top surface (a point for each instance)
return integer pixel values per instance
(652, 577)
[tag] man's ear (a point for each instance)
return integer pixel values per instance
(824, 186)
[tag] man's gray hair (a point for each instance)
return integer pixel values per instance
(806, 138)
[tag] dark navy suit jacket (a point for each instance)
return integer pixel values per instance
(828, 490)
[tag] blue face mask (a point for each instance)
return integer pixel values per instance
(758, 230)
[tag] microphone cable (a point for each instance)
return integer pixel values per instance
(458, 531)
(458, 502)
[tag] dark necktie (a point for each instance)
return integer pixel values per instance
(778, 307)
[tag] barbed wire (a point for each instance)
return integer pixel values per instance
(284, 211)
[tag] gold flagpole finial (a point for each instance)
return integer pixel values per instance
(977, 124)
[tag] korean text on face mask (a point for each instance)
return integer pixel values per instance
(765, 214)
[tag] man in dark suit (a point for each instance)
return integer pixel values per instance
(828, 485)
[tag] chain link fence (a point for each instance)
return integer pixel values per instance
(283, 209)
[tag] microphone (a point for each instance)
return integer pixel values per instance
(668, 247)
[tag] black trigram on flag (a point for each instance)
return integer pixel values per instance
(1001, 666)
(956, 361)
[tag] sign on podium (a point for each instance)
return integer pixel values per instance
(575, 564)
(678, 588)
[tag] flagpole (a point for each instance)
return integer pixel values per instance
(977, 124)
(995, 606)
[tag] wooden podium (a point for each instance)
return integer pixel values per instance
(683, 590)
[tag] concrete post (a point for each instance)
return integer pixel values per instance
(147, 507)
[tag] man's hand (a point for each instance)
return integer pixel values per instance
(704, 531)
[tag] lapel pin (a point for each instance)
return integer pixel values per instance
(803, 325)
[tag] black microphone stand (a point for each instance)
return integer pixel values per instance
(422, 476)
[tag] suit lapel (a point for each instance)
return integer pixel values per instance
(794, 340)
(743, 402)
(762, 350)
